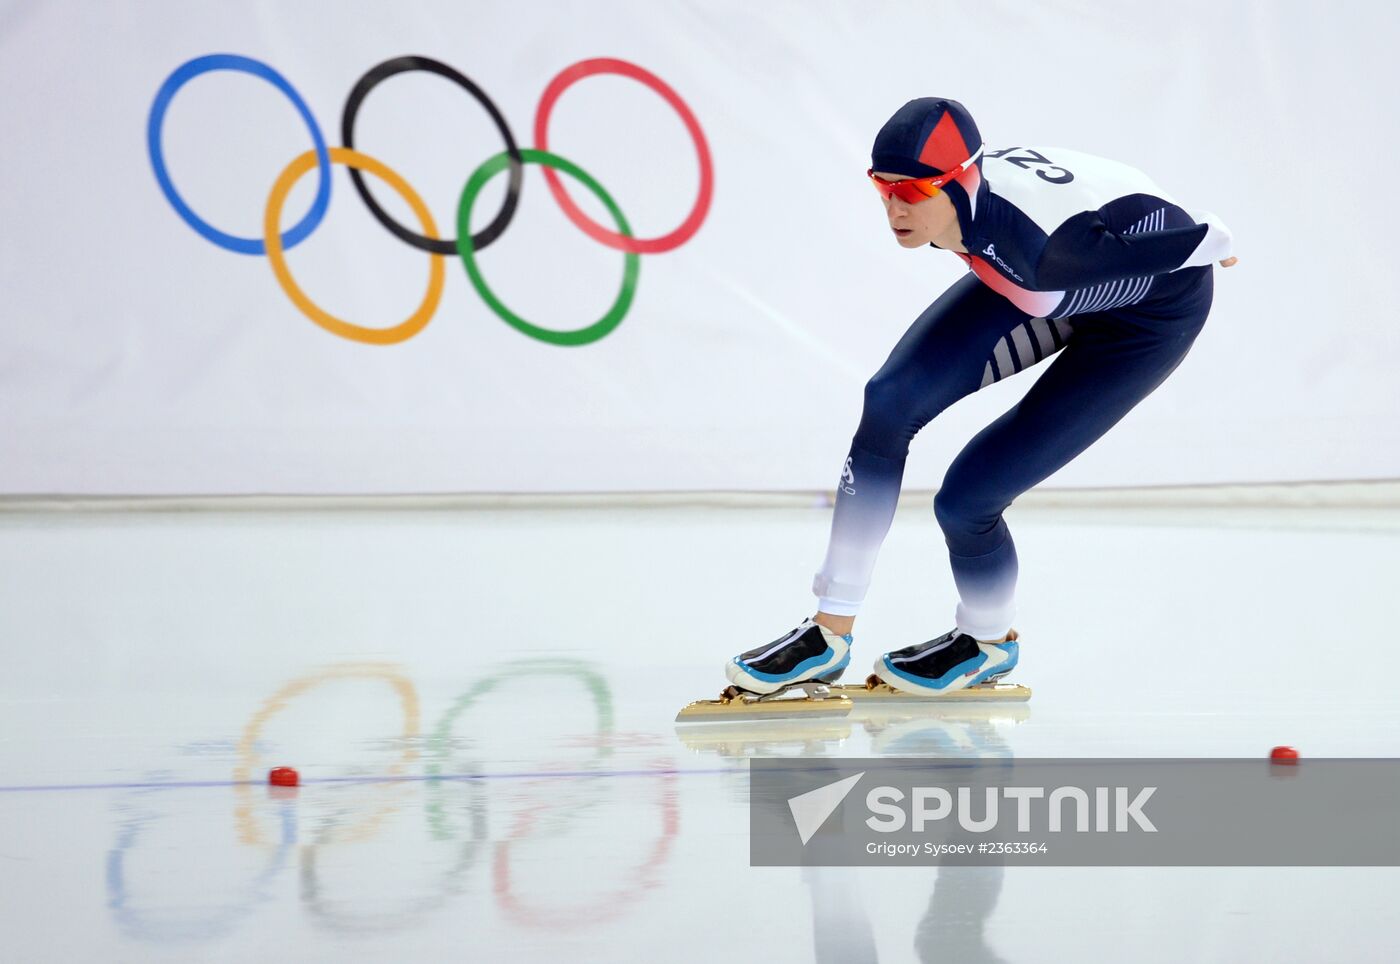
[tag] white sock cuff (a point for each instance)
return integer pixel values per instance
(834, 607)
(837, 598)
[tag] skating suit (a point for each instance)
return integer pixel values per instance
(1069, 255)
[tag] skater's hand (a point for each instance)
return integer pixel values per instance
(1228, 262)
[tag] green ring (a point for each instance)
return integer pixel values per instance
(516, 670)
(632, 263)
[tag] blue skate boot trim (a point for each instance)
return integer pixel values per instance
(1011, 648)
(790, 659)
(833, 674)
(979, 666)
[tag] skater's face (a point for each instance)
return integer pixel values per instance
(920, 223)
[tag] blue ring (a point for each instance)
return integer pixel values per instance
(183, 75)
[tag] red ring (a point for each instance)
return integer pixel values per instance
(609, 65)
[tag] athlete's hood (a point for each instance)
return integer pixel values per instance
(931, 135)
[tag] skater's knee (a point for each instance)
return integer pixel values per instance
(884, 393)
(964, 510)
(949, 508)
(897, 407)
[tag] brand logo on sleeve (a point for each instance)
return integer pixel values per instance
(992, 252)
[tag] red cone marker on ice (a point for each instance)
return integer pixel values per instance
(283, 777)
(1283, 754)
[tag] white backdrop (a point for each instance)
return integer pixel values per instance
(138, 357)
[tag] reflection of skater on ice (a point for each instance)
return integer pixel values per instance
(953, 926)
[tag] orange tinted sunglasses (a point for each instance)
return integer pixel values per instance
(919, 189)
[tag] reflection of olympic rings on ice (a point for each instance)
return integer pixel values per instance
(143, 925)
(528, 670)
(599, 908)
(531, 672)
(548, 809)
(275, 242)
(325, 911)
(408, 701)
(373, 916)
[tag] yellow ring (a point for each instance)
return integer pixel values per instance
(272, 240)
(243, 815)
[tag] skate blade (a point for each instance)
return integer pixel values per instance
(873, 690)
(733, 705)
(740, 739)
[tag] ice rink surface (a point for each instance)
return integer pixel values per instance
(480, 704)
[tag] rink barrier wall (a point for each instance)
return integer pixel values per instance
(1367, 494)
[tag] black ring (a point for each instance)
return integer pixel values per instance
(399, 65)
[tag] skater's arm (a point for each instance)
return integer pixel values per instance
(1084, 251)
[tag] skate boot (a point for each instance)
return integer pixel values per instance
(953, 661)
(809, 652)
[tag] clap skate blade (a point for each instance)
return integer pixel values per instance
(990, 691)
(736, 704)
(740, 739)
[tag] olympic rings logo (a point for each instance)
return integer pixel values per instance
(274, 243)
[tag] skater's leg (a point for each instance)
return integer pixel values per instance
(1112, 362)
(945, 355)
(958, 344)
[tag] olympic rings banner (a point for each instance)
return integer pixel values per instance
(626, 246)
(274, 242)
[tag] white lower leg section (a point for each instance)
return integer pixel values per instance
(986, 591)
(837, 598)
(865, 502)
(834, 607)
(986, 621)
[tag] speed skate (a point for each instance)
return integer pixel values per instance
(826, 700)
(795, 677)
